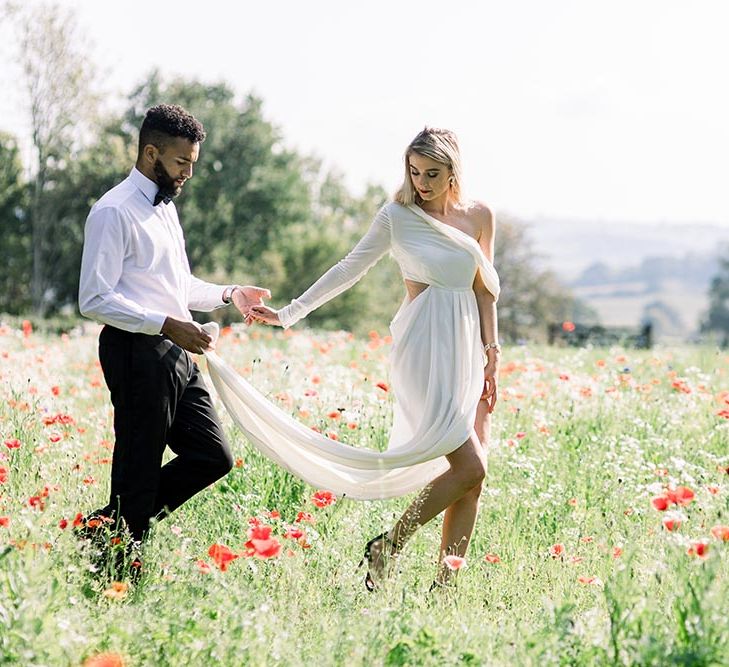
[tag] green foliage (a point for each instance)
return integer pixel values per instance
(56, 78)
(15, 249)
(717, 318)
(531, 297)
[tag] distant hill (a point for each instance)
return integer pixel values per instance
(630, 273)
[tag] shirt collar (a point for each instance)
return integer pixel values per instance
(148, 187)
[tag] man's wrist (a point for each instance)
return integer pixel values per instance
(228, 294)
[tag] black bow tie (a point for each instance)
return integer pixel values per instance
(159, 197)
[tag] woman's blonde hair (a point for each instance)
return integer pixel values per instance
(439, 145)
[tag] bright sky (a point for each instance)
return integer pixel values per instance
(584, 109)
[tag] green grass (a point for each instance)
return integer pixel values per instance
(598, 444)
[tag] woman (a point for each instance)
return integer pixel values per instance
(445, 354)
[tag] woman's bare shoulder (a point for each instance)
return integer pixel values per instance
(481, 214)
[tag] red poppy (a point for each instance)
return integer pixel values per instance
(37, 502)
(700, 549)
(323, 499)
(27, 328)
(13, 443)
(202, 566)
(222, 556)
(383, 386)
(520, 435)
(556, 550)
(671, 523)
(681, 495)
(492, 558)
(568, 326)
(3, 474)
(4, 521)
(117, 591)
(617, 552)
(55, 390)
(260, 543)
(294, 533)
(104, 660)
(721, 533)
(660, 503)
(305, 516)
(63, 524)
(454, 562)
(681, 386)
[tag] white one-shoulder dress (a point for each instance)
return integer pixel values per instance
(436, 364)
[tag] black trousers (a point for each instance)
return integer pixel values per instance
(159, 400)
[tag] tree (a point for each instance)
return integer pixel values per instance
(56, 77)
(717, 317)
(247, 185)
(15, 249)
(531, 297)
(302, 252)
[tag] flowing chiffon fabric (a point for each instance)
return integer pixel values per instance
(436, 364)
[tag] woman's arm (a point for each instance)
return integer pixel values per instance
(487, 306)
(348, 271)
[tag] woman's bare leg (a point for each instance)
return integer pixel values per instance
(460, 518)
(468, 468)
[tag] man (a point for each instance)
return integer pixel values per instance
(135, 279)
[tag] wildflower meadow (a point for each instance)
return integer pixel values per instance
(602, 538)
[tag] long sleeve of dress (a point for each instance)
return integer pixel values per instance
(349, 270)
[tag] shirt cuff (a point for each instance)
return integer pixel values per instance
(153, 323)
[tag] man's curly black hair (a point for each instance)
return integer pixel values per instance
(166, 121)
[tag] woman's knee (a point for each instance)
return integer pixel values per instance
(469, 464)
(473, 474)
(476, 475)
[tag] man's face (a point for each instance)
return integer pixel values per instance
(173, 165)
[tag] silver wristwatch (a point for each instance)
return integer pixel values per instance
(228, 293)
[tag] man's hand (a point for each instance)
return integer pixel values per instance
(247, 296)
(263, 314)
(188, 335)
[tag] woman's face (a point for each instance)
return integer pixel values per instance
(430, 178)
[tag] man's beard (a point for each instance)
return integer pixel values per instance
(165, 182)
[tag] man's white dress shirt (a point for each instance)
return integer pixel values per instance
(134, 269)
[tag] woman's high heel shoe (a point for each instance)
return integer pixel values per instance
(370, 584)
